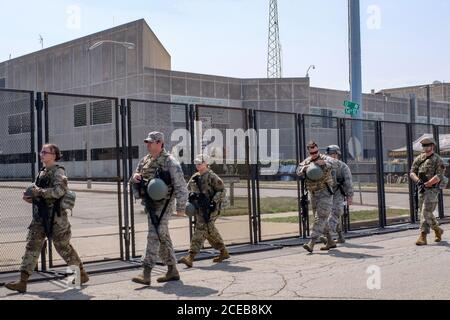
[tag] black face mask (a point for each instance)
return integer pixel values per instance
(427, 145)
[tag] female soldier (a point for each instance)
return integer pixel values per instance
(49, 219)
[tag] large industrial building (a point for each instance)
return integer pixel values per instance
(144, 72)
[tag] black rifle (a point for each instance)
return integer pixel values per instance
(304, 204)
(47, 216)
(149, 203)
(205, 205)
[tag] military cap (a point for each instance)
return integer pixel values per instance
(428, 140)
(311, 144)
(201, 158)
(333, 149)
(155, 136)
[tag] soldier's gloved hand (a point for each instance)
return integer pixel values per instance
(212, 206)
(192, 196)
(37, 192)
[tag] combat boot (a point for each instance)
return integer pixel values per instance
(188, 260)
(224, 255)
(21, 285)
(144, 278)
(323, 239)
(171, 275)
(341, 238)
(330, 243)
(83, 275)
(422, 241)
(309, 246)
(438, 234)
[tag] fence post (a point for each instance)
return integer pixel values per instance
(380, 174)
(125, 150)
(441, 194)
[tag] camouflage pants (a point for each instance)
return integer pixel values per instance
(206, 231)
(337, 212)
(61, 240)
(427, 204)
(322, 203)
(155, 246)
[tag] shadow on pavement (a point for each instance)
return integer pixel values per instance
(72, 294)
(362, 246)
(225, 266)
(182, 290)
(350, 255)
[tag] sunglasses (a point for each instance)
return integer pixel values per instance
(314, 153)
(427, 145)
(45, 153)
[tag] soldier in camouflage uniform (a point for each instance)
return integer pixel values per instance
(428, 172)
(343, 191)
(321, 195)
(59, 231)
(212, 186)
(158, 240)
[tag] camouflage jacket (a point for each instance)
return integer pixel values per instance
(426, 168)
(211, 185)
(327, 179)
(342, 178)
(147, 168)
(56, 184)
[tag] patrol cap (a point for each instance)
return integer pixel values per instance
(312, 144)
(155, 136)
(201, 158)
(333, 149)
(427, 141)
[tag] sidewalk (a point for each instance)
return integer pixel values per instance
(405, 272)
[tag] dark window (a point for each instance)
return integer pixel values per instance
(19, 123)
(79, 115)
(16, 158)
(74, 155)
(101, 112)
(2, 83)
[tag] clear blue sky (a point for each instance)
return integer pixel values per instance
(405, 42)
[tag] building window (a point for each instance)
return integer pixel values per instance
(79, 115)
(101, 113)
(19, 123)
(2, 82)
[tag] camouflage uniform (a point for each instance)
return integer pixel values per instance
(321, 197)
(214, 188)
(61, 227)
(147, 168)
(343, 188)
(426, 168)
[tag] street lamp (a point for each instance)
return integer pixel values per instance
(126, 45)
(309, 68)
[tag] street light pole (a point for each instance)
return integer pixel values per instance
(428, 104)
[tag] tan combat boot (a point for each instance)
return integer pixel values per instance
(341, 238)
(171, 275)
(438, 234)
(323, 239)
(309, 246)
(224, 255)
(83, 275)
(422, 240)
(144, 278)
(21, 285)
(188, 260)
(330, 243)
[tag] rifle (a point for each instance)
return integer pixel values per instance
(206, 206)
(44, 213)
(304, 204)
(148, 201)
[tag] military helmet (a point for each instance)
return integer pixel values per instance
(334, 149)
(314, 172)
(190, 210)
(157, 189)
(428, 140)
(29, 190)
(68, 201)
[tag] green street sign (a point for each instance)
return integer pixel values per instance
(351, 108)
